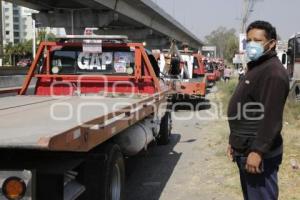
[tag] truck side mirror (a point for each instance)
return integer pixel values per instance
(283, 59)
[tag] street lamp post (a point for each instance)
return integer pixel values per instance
(34, 39)
(1, 35)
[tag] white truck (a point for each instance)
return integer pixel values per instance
(293, 65)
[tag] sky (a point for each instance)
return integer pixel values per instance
(201, 17)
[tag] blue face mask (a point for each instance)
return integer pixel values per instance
(254, 50)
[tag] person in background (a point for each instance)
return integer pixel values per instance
(227, 74)
(241, 72)
(221, 69)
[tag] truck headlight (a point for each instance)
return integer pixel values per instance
(56, 69)
(14, 188)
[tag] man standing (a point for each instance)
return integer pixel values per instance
(255, 115)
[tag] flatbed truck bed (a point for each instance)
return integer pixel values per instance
(36, 122)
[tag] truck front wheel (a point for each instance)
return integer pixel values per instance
(165, 129)
(297, 93)
(114, 175)
(103, 174)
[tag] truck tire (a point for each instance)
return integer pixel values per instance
(165, 129)
(112, 186)
(297, 93)
(104, 176)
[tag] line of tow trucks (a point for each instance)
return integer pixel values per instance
(189, 73)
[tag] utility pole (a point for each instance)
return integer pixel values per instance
(248, 9)
(244, 15)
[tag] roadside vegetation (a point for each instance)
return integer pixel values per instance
(23, 50)
(226, 42)
(289, 176)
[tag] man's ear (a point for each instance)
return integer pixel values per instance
(273, 44)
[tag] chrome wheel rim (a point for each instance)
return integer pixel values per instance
(116, 183)
(169, 124)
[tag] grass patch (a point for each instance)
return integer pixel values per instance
(289, 179)
(225, 91)
(292, 112)
(227, 88)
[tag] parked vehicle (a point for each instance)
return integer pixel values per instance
(185, 73)
(282, 56)
(94, 104)
(211, 76)
(293, 65)
(24, 63)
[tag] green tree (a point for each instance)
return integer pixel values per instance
(43, 35)
(226, 42)
(28, 46)
(15, 52)
(8, 53)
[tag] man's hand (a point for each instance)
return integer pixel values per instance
(253, 163)
(230, 152)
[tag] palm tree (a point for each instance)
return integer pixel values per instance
(9, 51)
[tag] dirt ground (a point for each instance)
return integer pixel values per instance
(194, 165)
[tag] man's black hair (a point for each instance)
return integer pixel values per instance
(266, 26)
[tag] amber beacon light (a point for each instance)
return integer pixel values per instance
(14, 188)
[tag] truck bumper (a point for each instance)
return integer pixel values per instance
(191, 90)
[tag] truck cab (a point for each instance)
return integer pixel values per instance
(211, 74)
(293, 65)
(184, 71)
(199, 67)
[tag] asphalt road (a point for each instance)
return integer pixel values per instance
(182, 170)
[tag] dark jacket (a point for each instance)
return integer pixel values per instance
(259, 98)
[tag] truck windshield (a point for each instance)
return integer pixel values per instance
(67, 61)
(196, 65)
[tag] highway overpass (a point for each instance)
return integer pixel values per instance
(141, 20)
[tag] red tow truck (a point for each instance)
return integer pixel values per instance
(212, 71)
(211, 77)
(193, 85)
(199, 66)
(185, 73)
(97, 100)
